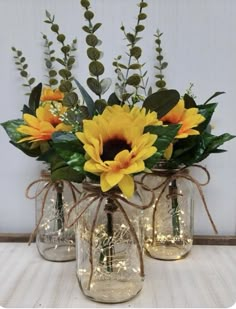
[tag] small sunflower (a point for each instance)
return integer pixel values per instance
(188, 118)
(41, 126)
(49, 94)
(117, 146)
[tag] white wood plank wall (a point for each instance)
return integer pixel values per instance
(199, 43)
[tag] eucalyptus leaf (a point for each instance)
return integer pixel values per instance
(94, 85)
(105, 84)
(70, 99)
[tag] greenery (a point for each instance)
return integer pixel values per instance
(55, 117)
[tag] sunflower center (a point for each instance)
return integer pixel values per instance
(112, 147)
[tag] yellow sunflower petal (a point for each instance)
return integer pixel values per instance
(168, 152)
(31, 121)
(113, 177)
(105, 186)
(126, 185)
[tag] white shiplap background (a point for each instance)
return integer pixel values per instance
(200, 46)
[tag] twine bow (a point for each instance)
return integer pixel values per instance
(57, 185)
(172, 175)
(93, 193)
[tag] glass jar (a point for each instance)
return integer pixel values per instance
(168, 225)
(55, 242)
(109, 245)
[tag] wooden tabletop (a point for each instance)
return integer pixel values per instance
(205, 278)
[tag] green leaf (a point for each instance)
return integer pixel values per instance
(52, 73)
(112, 100)
(207, 111)
(70, 99)
(162, 101)
(65, 73)
(88, 100)
(100, 105)
(86, 29)
(96, 27)
(53, 81)
(93, 53)
(136, 52)
(31, 81)
(91, 40)
(88, 15)
(66, 173)
(216, 94)
(70, 149)
(65, 86)
(60, 61)
(135, 66)
(34, 98)
(11, 129)
(94, 85)
(189, 101)
(23, 73)
(96, 68)
(134, 80)
(71, 61)
(61, 38)
(165, 135)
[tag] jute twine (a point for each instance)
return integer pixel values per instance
(93, 193)
(171, 175)
(48, 185)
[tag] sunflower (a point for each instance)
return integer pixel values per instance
(116, 145)
(40, 127)
(188, 118)
(49, 94)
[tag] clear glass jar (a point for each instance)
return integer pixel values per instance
(55, 242)
(109, 241)
(168, 225)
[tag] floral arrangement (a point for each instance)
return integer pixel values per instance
(109, 139)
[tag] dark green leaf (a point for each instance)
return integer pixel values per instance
(96, 68)
(189, 101)
(88, 100)
(23, 73)
(31, 81)
(100, 105)
(91, 40)
(94, 85)
(86, 29)
(96, 27)
(65, 86)
(162, 101)
(112, 100)
(34, 98)
(206, 111)
(216, 94)
(93, 53)
(65, 73)
(134, 80)
(70, 99)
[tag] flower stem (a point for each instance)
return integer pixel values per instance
(59, 205)
(173, 192)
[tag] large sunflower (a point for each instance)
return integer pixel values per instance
(41, 126)
(117, 146)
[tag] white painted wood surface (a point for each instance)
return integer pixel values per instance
(205, 278)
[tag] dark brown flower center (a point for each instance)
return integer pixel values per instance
(112, 147)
